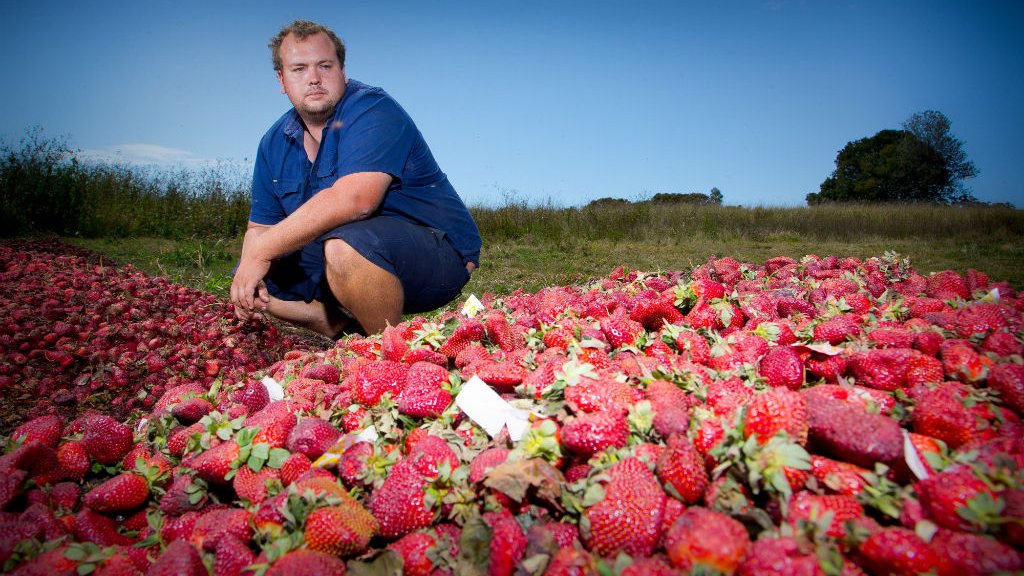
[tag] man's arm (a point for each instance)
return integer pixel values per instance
(352, 197)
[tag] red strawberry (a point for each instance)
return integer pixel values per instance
(655, 312)
(828, 367)
(253, 395)
(101, 530)
(312, 437)
(375, 378)
(231, 557)
(507, 543)
(629, 517)
(778, 556)
(216, 524)
(900, 552)
(399, 504)
(681, 470)
(423, 395)
(849, 434)
(1008, 380)
(946, 285)
(962, 362)
(106, 440)
(500, 331)
(46, 430)
(620, 330)
(343, 529)
(255, 486)
(325, 372)
(837, 329)
(777, 410)
(946, 412)
(590, 433)
(184, 494)
(957, 499)
(275, 422)
(414, 548)
(975, 554)
(293, 467)
(73, 460)
(838, 477)
(302, 562)
(215, 464)
(882, 369)
(121, 493)
(808, 507)
(65, 496)
(502, 376)
(178, 559)
(782, 366)
(706, 540)
(191, 410)
(469, 330)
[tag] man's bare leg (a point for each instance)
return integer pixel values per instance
(371, 294)
(312, 316)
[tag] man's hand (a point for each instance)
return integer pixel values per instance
(248, 291)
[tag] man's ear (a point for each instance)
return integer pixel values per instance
(280, 80)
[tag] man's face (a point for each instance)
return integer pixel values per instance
(311, 75)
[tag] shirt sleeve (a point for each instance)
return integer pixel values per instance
(265, 207)
(378, 139)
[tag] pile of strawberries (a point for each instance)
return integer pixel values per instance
(78, 332)
(821, 416)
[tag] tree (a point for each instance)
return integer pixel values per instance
(891, 166)
(715, 196)
(932, 128)
(923, 162)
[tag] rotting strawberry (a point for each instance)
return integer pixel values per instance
(846, 433)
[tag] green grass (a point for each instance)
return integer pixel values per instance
(188, 226)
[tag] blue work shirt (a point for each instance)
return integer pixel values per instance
(369, 132)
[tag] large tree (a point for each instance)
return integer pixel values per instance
(921, 163)
(932, 128)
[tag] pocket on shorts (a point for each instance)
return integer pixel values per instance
(288, 192)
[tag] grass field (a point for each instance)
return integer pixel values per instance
(530, 248)
(188, 226)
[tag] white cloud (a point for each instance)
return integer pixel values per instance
(152, 154)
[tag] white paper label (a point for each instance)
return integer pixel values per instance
(472, 307)
(489, 411)
(273, 388)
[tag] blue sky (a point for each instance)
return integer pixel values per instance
(542, 101)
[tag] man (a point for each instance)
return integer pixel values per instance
(351, 217)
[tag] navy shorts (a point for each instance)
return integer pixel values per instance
(431, 271)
